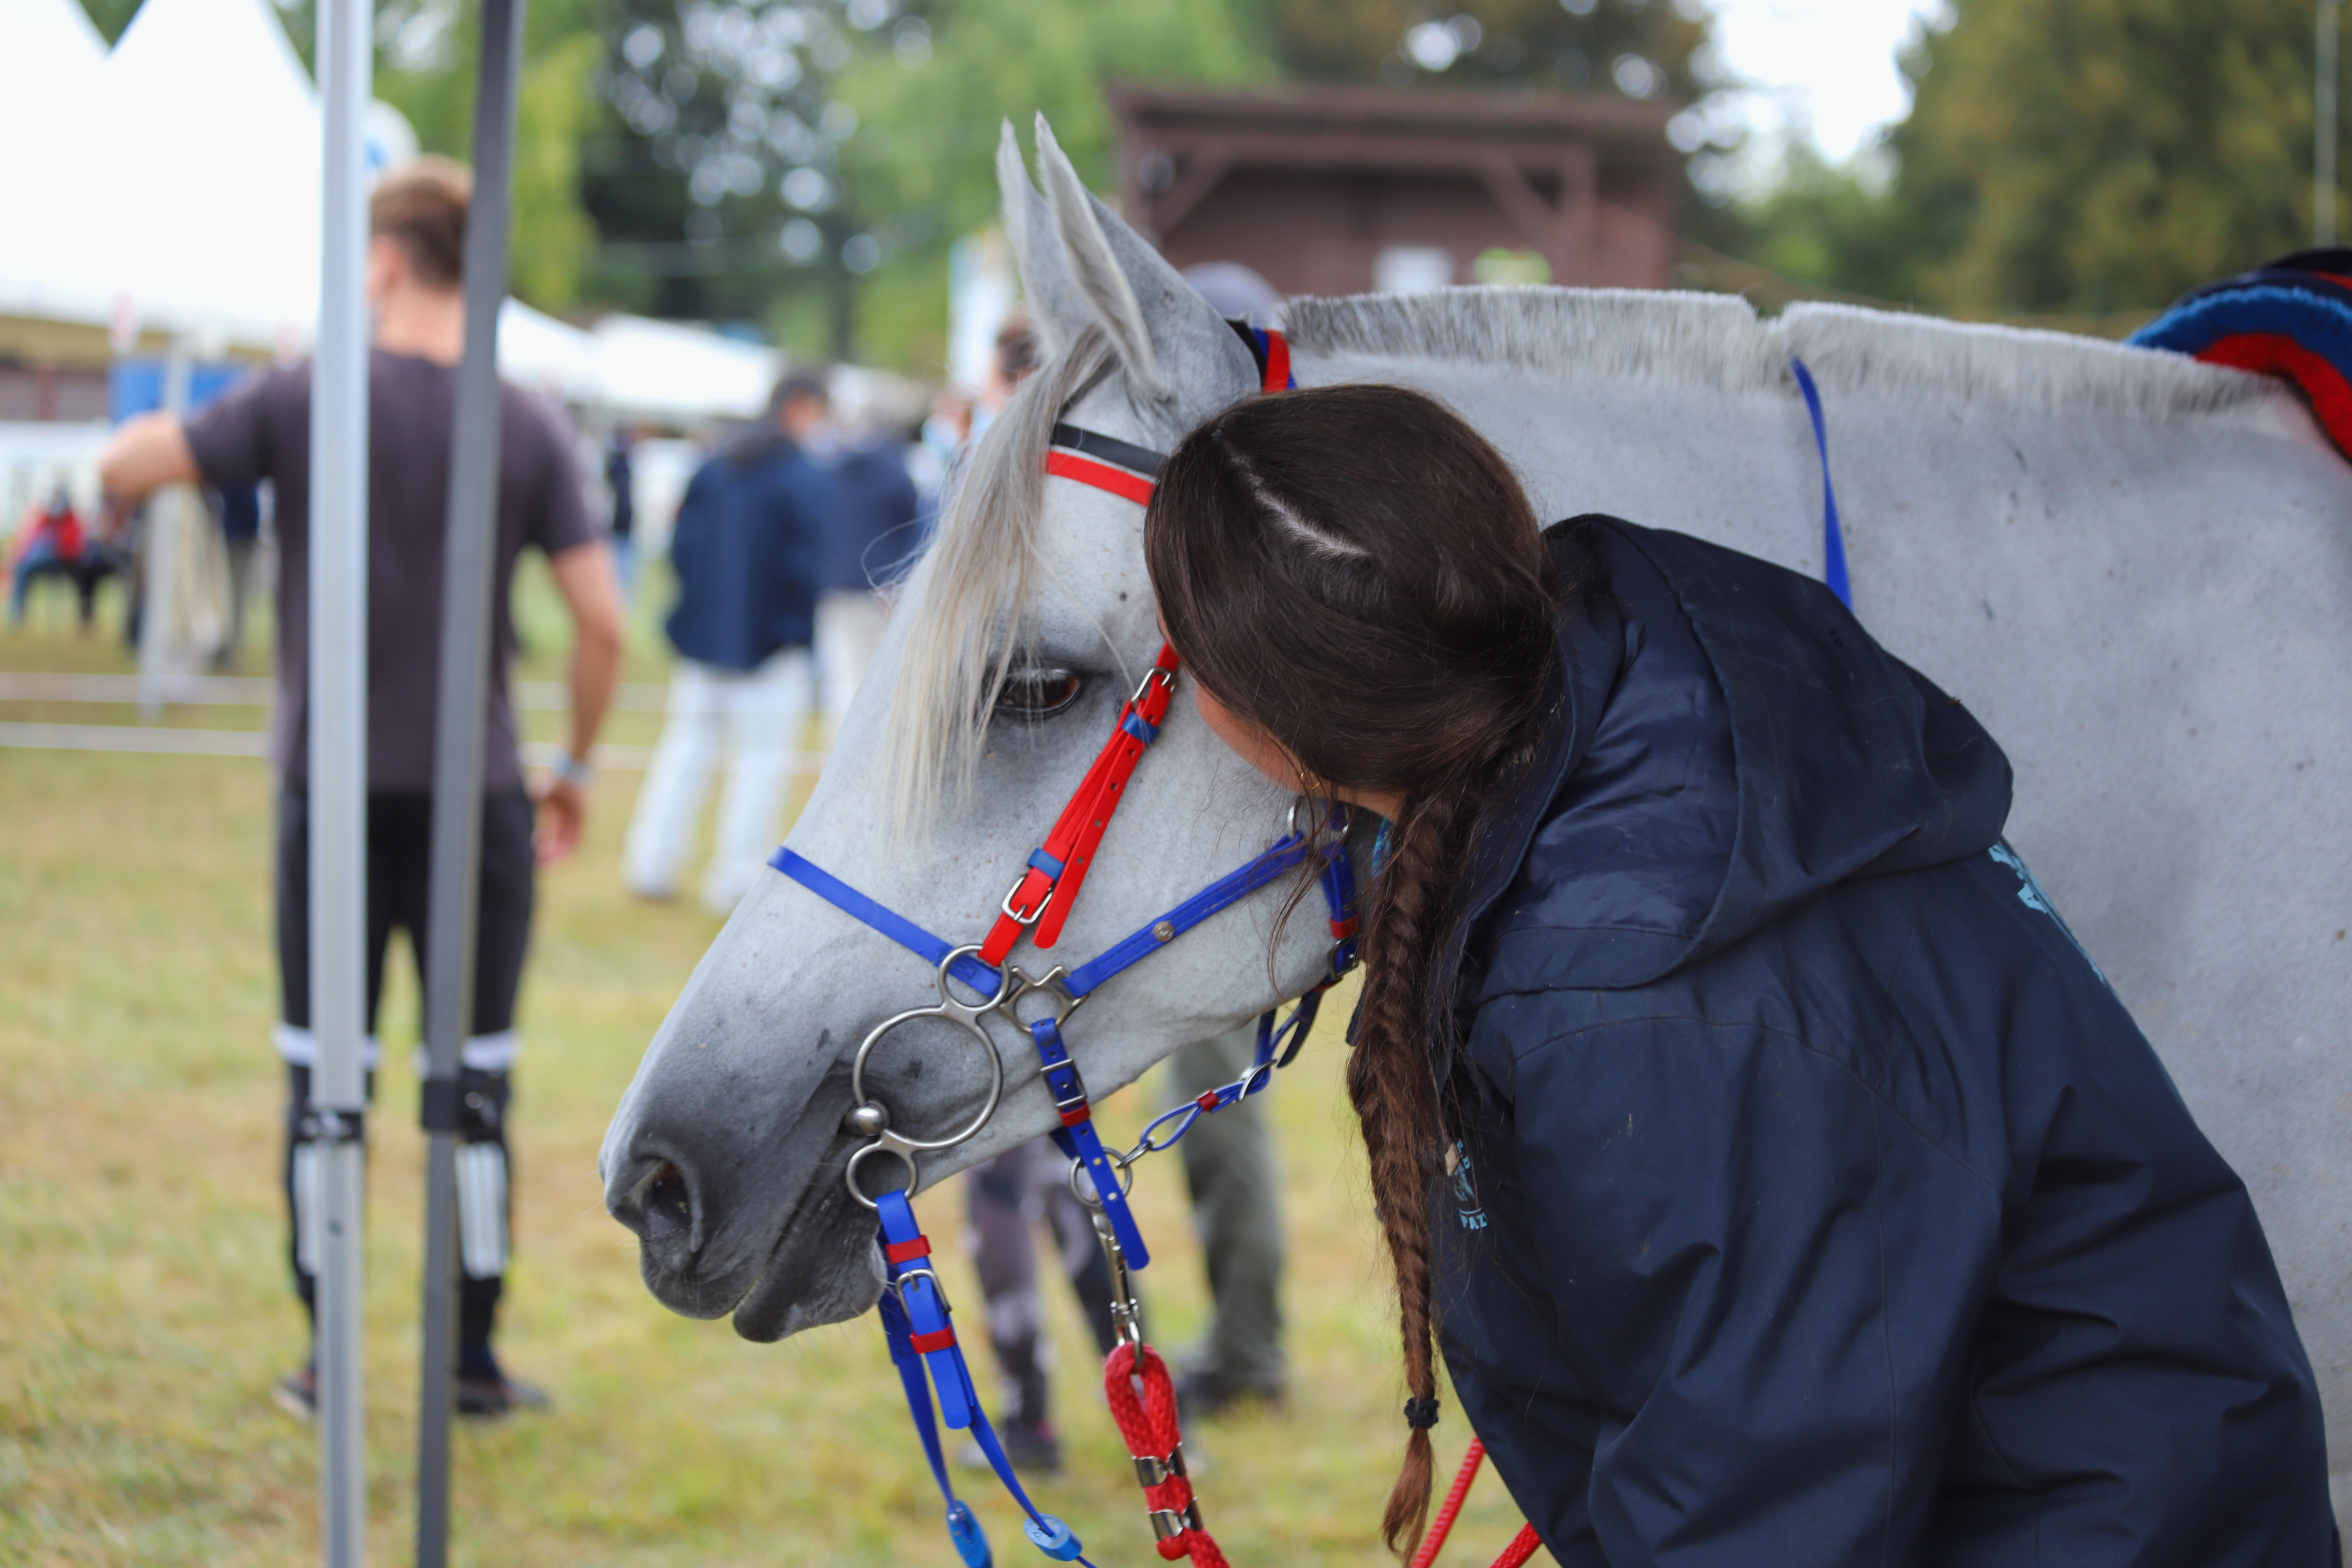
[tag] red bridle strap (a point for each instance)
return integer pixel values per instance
(1042, 897)
(1046, 889)
(1102, 476)
(1277, 363)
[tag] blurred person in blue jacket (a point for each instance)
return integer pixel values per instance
(745, 552)
(869, 539)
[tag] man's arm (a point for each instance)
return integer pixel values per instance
(584, 576)
(145, 453)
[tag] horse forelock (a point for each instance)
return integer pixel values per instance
(968, 601)
(1718, 342)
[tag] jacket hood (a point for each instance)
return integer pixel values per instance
(1727, 741)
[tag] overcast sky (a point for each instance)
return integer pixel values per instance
(1827, 62)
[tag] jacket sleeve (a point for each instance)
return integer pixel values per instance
(1762, 1286)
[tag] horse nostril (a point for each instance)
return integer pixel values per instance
(669, 1206)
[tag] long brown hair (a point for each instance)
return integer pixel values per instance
(1357, 571)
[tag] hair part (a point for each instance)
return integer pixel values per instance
(1357, 572)
(421, 205)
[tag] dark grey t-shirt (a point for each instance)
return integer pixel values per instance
(262, 431)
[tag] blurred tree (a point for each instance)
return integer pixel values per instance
(929, 92)
(1645, 48)
(2097, 155)
(1834, 226)
(426, 51)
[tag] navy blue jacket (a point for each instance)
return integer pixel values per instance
(873, 536)
(745, 550)
(1822, 1205)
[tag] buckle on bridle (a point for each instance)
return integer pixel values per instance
(1166, 678)
(1033, 916)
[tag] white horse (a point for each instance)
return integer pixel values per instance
(2136, 569)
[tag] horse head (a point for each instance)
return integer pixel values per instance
(1009, 656)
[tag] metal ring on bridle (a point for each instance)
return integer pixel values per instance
(964, 1016)
(1126, 1178)
(879, 1146)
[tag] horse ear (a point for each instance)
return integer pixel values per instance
(1054, 303)
(1175, 348)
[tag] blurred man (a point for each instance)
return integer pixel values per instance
(868, 541)
(744, 549)
(262, 431)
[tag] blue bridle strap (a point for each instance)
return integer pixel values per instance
(1124, 953)
(884, 919)
(922, 1332)
(1833, 533)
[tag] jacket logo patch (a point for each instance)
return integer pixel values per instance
(2030, 895)
(1467, 1208)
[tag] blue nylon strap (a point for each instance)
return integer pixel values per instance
(1833, 533)
(915, 1306)
(884, 919)
(927, 1313)
(1081, 1142)
(1043, 862)
(1226, 890)
(963, 1528)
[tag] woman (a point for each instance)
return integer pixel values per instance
(1812, 1199)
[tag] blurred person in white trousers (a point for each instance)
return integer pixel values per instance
(745, 550)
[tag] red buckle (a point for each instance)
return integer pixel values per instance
(907, 1251)
(927, 1343)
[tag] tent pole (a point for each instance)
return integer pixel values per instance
(338, 784)
(468, 576)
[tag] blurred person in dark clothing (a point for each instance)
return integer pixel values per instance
(745, 550)
(237, 508)
(869, 539)
(620, 478)
(262, 431)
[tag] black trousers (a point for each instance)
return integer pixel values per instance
(398, 869)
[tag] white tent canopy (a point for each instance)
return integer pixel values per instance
(177, 180)
(670, 372)
(187, 183)
(50, 100)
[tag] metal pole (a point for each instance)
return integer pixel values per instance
(167, 519)
(2323, 149)
(338, 789)
(469, 575)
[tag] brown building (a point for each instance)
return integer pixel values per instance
(1336, 190)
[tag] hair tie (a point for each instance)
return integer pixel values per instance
(1420, 1414)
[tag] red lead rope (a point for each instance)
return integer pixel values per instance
(1521, 1548)
(1143, 1402)
(1050, 885)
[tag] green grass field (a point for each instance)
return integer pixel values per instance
(143, 1304)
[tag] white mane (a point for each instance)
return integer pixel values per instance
(1718, 342)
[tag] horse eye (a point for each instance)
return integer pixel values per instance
(1038, 693)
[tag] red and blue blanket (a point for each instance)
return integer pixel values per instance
(2292, 318)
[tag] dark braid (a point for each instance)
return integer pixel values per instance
(1354, 575)
(1390, 1084)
